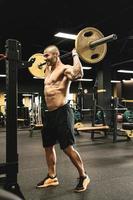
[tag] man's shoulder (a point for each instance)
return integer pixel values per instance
(67, 66)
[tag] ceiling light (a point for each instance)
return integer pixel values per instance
(37, 77)
(65, 35)
(26, 95)
(128, 81)
(2, 75)
(125, 71)
(84, 79)
(87, 68)
(115, 81)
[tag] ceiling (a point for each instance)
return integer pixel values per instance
(34, 24)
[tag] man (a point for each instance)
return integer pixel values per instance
(59, 120)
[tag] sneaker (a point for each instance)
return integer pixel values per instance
(48, 181)
(83, 184)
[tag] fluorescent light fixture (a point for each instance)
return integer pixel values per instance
(37, 77)
(125, 71)
(26, 95)
(87, 68)
(115, 81)
(2, 75)
(128, 81)
(84, 79)
(65, 35)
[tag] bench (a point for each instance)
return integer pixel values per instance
(94, 129)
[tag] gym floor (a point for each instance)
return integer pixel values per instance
(110, 167)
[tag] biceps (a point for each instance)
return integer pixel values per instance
(72, 75)
(69, 74)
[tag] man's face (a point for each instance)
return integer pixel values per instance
(50, 55)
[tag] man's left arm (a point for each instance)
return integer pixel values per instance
(76, 71)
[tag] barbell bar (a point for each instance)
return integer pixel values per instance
(90, 44)
(103, 40)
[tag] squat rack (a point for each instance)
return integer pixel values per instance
(9, 170)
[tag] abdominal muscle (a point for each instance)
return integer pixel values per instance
(55, 95)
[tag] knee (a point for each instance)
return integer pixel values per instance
(49, 149)
(69, 150)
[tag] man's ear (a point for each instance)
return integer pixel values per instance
(57, 54)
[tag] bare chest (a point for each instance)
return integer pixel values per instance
(54, 77)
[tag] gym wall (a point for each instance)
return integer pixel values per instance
(127, 89)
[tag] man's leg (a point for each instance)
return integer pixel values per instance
(76, 159)
(51, 160)
(84, 179)
(51, 179)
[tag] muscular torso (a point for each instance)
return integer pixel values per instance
(56, 86)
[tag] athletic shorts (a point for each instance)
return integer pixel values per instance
(59, 127)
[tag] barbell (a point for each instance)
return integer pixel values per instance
(90, 44)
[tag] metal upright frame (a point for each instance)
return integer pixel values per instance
(10, 168)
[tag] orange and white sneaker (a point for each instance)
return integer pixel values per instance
(82, 184)
(48, 181)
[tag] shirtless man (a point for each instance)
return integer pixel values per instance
(59, 120)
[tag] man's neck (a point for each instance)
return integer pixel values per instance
(55, 65)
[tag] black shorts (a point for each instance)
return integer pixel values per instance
(59, 127)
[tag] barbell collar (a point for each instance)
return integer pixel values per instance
(103, 40)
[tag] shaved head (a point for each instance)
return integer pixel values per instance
(52, 49)
(51, 54)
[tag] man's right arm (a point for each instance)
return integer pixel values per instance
(76, 71)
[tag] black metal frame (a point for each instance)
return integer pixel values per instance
(94, 110)
(115, 130)
(10, 168)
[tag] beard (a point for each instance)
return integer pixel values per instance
(52, 61)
